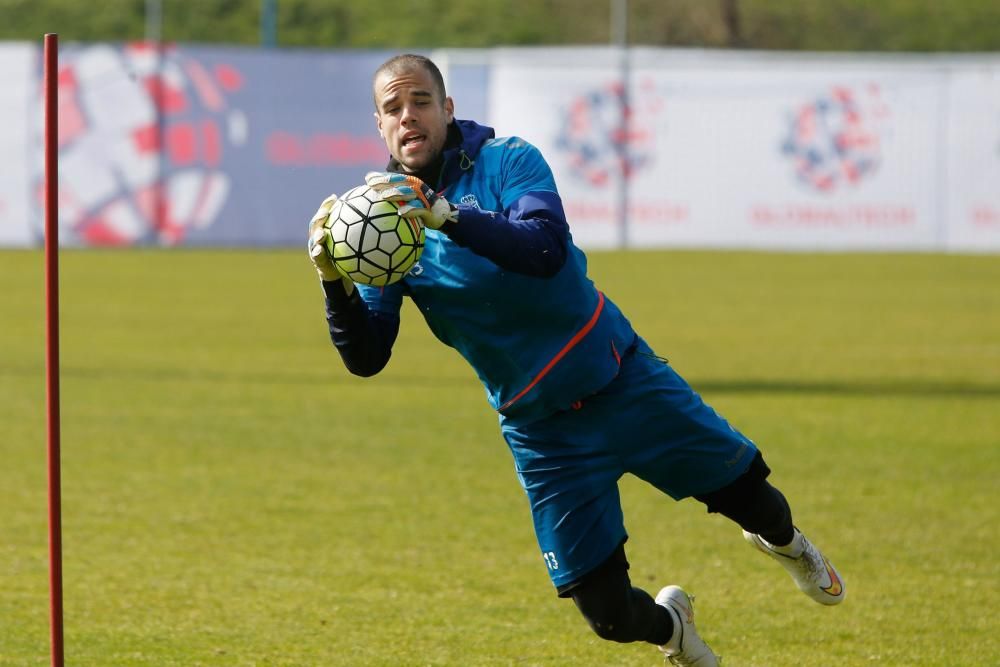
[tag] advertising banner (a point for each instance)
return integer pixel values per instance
(798, 155)
(973, 160)
(569, 104)
(208, 146)
(18, 82)
(720, 152)
(217, 146)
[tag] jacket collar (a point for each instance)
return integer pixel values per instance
(461, 147)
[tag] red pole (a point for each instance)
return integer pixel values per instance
(51, 82)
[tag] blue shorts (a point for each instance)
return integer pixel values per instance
(649, 422)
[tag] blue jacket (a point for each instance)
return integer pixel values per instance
(505, 286)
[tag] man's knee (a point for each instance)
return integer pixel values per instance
(752, 502)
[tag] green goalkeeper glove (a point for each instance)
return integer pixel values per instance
(421, 201)
(327, 270)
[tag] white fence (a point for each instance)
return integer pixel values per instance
(650, 147)
(750, 150)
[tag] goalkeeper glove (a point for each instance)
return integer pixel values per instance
(421, 201)
(327, 270)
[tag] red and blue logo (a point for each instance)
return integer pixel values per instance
(603, 135)
(833, 141)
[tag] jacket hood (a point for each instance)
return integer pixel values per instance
(471, 137)
(461, 154)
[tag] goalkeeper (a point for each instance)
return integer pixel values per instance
(582, 399)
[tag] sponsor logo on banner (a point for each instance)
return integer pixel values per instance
(835, 144)
(834, 140)
(142, 134)
(833, 217)
(322, 149)
(603, 135)
(986, 216)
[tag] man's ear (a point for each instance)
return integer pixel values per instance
(449, 109)
(378, 124)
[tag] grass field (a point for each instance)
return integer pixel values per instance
(233, 497)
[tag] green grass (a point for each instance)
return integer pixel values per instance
(231, 496)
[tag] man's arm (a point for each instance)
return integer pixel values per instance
(529, 237)
(364, 338)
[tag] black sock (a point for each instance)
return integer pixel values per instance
(619, 612)
(663, 629)
(782, 538)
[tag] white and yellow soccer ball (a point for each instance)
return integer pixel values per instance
(369, 241)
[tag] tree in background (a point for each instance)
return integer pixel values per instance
(830, 25)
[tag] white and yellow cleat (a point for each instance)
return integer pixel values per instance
(812, 572)
(685, 648)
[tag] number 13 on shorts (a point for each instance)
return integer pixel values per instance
(550, 560)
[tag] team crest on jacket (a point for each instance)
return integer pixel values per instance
(470, 200)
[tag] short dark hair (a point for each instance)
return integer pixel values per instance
(410, 61)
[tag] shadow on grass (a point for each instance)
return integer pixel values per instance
(918, 387)
(902, 388)
(312, 377)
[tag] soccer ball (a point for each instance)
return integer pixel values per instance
(369, 241)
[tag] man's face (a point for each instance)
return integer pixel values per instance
(411, 116)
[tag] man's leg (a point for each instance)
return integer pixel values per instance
(763, 513)
(755, 505)
(616, 610)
